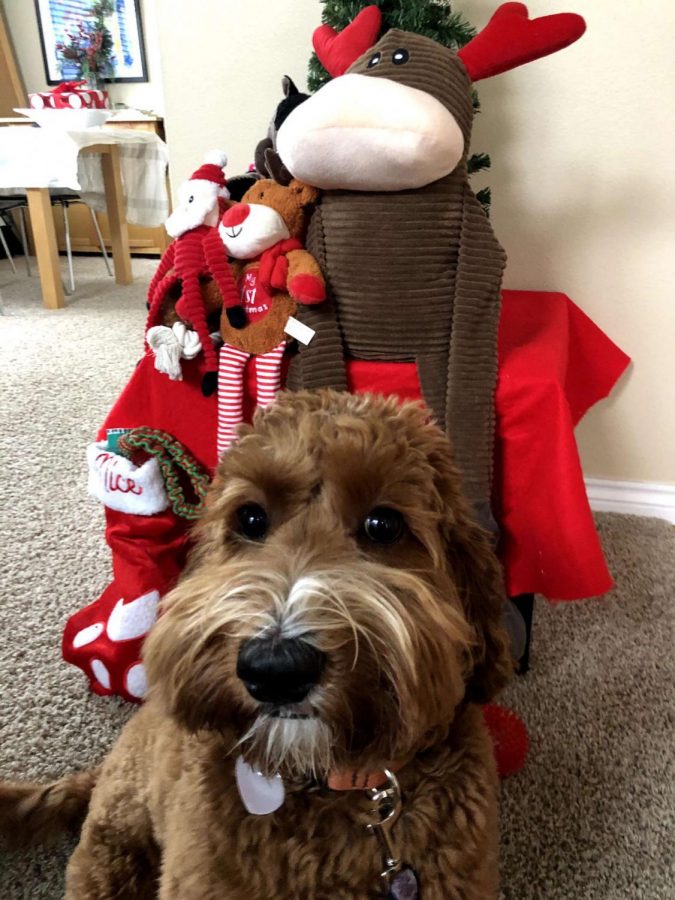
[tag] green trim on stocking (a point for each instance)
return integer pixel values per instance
(172, 458)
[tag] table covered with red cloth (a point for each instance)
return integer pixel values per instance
(554, 364)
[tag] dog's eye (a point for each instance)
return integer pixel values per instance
(374, 60)
(383, 525)
(252, 520)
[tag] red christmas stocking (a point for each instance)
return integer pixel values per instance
(105, 638)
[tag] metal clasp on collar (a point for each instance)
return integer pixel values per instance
(387, 807)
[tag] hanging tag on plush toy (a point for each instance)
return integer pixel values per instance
(259, 794)
(299, 331)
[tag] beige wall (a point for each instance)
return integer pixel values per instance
(582, 180)
(22, 25)
(223, 63)
(22, 21)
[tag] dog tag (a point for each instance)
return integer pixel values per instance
(404, 886)
(299, 330)
(260, 795)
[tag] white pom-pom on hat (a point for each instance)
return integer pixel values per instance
(211, 170)
(216, 158)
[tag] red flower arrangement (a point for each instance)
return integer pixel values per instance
(89, 44)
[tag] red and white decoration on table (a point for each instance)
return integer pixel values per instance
(70, 95)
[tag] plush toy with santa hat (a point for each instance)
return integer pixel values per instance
(195, 256)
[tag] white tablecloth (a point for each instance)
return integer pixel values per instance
(46, 157)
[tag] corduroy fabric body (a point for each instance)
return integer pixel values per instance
(414, 276)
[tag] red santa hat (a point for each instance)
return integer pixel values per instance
(211, 171)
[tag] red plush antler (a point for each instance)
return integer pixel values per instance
(511, 39)
(337, 51)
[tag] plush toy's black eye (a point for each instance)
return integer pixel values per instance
(374, 60)
(252, 521)
(383, 525)
(400, 56)
(191, 198)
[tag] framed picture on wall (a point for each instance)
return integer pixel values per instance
(72, 24)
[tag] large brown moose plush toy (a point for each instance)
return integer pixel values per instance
(411, 262)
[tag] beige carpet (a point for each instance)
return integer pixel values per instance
(593, 814)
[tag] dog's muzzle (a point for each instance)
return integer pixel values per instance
(279, 671)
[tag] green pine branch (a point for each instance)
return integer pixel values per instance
(478, 163)
(484, 197)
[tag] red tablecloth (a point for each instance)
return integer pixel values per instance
(554, 364)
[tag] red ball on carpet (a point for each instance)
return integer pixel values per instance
(509, 737)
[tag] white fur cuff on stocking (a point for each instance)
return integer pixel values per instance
(117, 483)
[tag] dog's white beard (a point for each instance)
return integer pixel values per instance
(304, 746)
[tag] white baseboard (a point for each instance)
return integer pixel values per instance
(635, 498)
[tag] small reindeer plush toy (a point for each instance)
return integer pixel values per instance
(412, 266)
(274, 273)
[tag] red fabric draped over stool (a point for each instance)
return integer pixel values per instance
(554, 363)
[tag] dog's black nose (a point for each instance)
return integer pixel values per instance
(279, 671)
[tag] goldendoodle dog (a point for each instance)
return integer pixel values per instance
(311, 730)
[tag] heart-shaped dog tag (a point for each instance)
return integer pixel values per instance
(260, 795)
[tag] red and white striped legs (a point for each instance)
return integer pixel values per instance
(268, 375)
(231, 367)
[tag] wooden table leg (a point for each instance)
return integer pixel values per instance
(46, 251)
(117, 220)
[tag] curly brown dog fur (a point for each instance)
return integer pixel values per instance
(409, 634)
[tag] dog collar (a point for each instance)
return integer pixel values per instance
(362, 779)
(262, 796)
(399, 880)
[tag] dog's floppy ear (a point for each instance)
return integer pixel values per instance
(477, 573)
(480, 583)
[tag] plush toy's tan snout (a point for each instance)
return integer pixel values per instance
(370, 134)
(247, 229)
